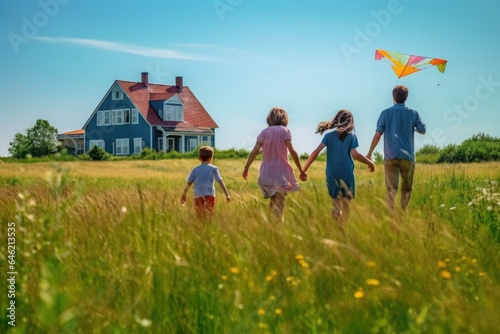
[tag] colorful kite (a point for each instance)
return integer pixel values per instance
(404, 64)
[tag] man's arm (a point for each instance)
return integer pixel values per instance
(375, 140)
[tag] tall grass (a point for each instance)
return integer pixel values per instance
(106, 247)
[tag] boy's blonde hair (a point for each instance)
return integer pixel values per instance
(205, 153)
(277, 116)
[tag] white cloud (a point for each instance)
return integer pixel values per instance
(125, 48)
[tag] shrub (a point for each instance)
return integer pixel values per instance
(97, 153)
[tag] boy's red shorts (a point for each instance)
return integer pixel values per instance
(204, 205)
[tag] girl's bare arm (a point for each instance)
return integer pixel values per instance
(251, 158)
(361, 158)
(313, 156)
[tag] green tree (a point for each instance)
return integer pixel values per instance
(39, 141)
(19, 147)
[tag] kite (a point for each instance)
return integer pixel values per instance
(404, 64)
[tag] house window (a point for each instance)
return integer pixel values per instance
(117, 95)
(172, 112)
(135, 116)
(205, 140)
(99, 143)
(103, 118)
(192, 144)
(121, 116)
(137, 145)
(160, 144)
(122, 146)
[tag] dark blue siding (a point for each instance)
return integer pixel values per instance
(112, 132)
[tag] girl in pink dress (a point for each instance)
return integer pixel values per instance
(276, 177)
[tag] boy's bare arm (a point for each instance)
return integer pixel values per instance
(186, 188)
(223, 186)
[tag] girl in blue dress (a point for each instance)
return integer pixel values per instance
(341, 146)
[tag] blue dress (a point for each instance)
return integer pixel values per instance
(339, 164)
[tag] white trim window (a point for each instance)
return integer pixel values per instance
(137, 145)
(99, 143)
(120, 116)
(103, 118)
(135, 116)
(160, 144)
(172, 112)
(116, 95)
(193, 143)
(205, 140)
(122, 146)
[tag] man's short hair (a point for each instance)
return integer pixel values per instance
(400, 93)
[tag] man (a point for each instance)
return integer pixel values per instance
(398, 125)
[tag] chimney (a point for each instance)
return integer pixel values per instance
(178, 83)
(144, 78)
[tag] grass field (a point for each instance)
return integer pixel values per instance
(106, 247)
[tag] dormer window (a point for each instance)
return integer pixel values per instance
(173, 110)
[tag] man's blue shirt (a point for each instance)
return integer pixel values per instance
(398, 124)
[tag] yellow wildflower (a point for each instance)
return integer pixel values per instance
(371, 264)
(224, 277)
(359, 294)
(261, 311)
(278, 311)
(445, 274)
(441, 264)
(299, 257)
(234, 270)
(372, 281)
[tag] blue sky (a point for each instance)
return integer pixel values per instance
(241, 57)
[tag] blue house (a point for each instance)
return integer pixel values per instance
(136, 115)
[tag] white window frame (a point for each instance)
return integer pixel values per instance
(173, 112)
(160, 144)
(135, 116)
(205, 140)
(97, 142)
(120, 116)
(193, 143)
(122, 146)
(116, 95)
(137, 145)
(103, 118)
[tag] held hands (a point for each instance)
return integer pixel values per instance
(303, 176)
(371, 166)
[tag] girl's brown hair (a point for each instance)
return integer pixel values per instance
(343, 122)
(277, 116)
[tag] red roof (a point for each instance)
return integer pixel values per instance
(74, 132)
(195, 114)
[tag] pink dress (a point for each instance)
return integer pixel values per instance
(276, 172)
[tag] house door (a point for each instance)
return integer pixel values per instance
(170, 144)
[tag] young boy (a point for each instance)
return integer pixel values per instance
(203, 177)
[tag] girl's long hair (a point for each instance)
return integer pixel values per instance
(343, 122)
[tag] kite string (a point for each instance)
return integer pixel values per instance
(431, 92)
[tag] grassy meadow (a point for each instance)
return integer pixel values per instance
(106, 247)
